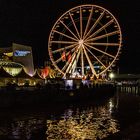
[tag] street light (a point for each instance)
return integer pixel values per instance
(111, 76)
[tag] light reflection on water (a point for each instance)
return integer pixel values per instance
(79, 121)
(23, 129)
(92, 123)
(88, 121)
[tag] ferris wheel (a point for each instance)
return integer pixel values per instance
(85, 40)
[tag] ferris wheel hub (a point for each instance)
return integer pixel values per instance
(81, 41)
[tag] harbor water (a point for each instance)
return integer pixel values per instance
(113, 118)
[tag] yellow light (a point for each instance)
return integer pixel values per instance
(111, 75)
(10, 54)
(12, 71)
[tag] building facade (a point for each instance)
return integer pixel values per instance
(17, 56)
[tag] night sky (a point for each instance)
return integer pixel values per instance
(29, 22)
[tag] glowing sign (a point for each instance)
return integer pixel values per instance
(21, 53)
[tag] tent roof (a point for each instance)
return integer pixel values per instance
(4, 74)
(23, 74)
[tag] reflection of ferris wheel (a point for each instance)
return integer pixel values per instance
(85, 40)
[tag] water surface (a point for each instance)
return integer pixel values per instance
(93, 120)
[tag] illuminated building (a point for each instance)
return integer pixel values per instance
(16, 62)
(23, 55)
(16, 65)
(14, 58)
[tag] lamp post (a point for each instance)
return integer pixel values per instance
(111, 76)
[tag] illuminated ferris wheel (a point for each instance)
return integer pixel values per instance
(86, 40)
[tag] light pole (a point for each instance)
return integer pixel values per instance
(111, 76)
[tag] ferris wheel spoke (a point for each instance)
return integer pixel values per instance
(65, 35)
(94, 25)
(74, 25)
(82, 61)
(100, 29)
(99, 50)
(88, 22)
(62, 42)
(102, 36)
(67, 63)
(75, 62)
(62, 49)
(73, 65)
(95, 57)
(69, 29)
(103, 44)
(81, 23)
(90, 63)
(60, 59)
(75, 59)
(70, 64)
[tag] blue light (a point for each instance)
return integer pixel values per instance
(21, 53)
